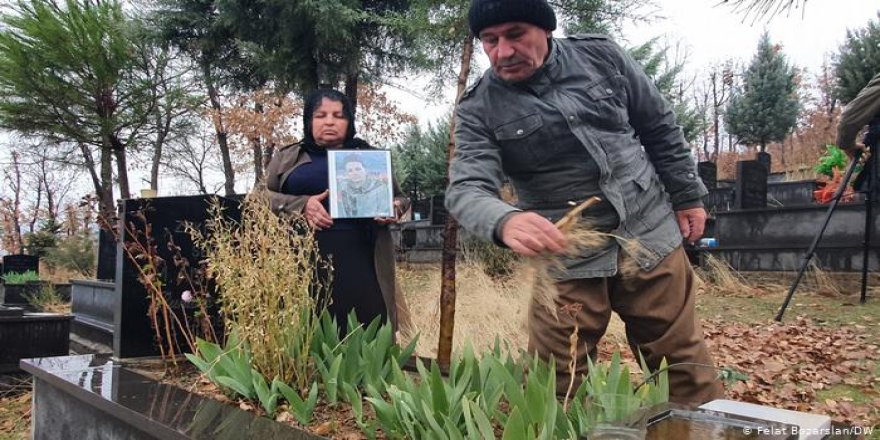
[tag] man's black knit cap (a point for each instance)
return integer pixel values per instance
(485, 13)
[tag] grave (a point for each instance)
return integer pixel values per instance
(133, 335)
(20, 263)
(708, 172)
(765, 159)
(92, 304)
(776, 239)
(106, 269)
(27, 335)
(92, 396)
(438, 211)
(751, 185)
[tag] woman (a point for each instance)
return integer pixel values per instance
(360, 250)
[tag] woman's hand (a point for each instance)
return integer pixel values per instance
(315, 214)
(398, 206)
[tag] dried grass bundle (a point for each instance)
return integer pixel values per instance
(722, 277)
(265, 269)
(581, 238)
(825, 283)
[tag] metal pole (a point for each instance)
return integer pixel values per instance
(869, 224)
(812, 249)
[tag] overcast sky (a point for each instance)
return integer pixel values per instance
(715, 33)
(710, 34)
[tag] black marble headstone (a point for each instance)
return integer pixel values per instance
(20, 263)
(133, 335)
(106, 256)
(438, 210)
(708, 172)
(421, 209)
(751, 185)
(765, 159)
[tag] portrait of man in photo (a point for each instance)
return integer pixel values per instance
(361, 184)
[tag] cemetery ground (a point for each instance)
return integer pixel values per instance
(822, 358)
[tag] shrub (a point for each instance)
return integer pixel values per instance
(266, 272)
(21, 277)
(47, 299)
(75, 253)
(496, 261)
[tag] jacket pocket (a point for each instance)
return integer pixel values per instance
(607, 102)
(519, 142)
(648, 205)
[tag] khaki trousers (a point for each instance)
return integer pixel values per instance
(658, 310)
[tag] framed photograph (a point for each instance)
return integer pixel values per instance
(360, 183)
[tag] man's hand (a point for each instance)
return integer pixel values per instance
(315, 213)
(529, 234)
(851, 152)
(692, 223)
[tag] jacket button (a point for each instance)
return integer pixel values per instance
(609, 91)
(520, 131)
(571, 118)
(691, 175)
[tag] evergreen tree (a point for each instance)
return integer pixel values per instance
(303, 44)
(598, 16)
(766, 108)
(421, 160)
(67, 74)
(858, 60)
(667, 75)
(195, 28)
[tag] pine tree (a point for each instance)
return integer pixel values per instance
(67, 74)
(766, 108)
(858, 60)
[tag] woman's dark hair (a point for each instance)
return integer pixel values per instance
(314, 101)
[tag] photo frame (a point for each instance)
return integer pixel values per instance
(360, 183)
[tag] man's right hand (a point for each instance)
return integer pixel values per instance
(851, 152)
(529, 234)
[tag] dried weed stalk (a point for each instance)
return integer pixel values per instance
(722, 277)
(581, 238)
(266, 270)
(141, 249)
(825, 284)
(572, 311)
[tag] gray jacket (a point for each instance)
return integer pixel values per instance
(593, 90)
(859, 112)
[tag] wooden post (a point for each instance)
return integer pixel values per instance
(450, 231)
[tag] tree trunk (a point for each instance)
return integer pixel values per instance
(90, 165)
(15, 214)
(105, 195)
(165, 126)
(35, 212)
(450, 231)
(213, 97)
(257, 146)
(121, 167)
(351, 89)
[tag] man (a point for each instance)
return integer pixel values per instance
(567, 119)
(362, 195)
(863, 109)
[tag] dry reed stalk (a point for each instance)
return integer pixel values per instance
(722, 277)
(580, 238)
(265, 268)
(825, 284)
(572, 311)
(486, 308)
